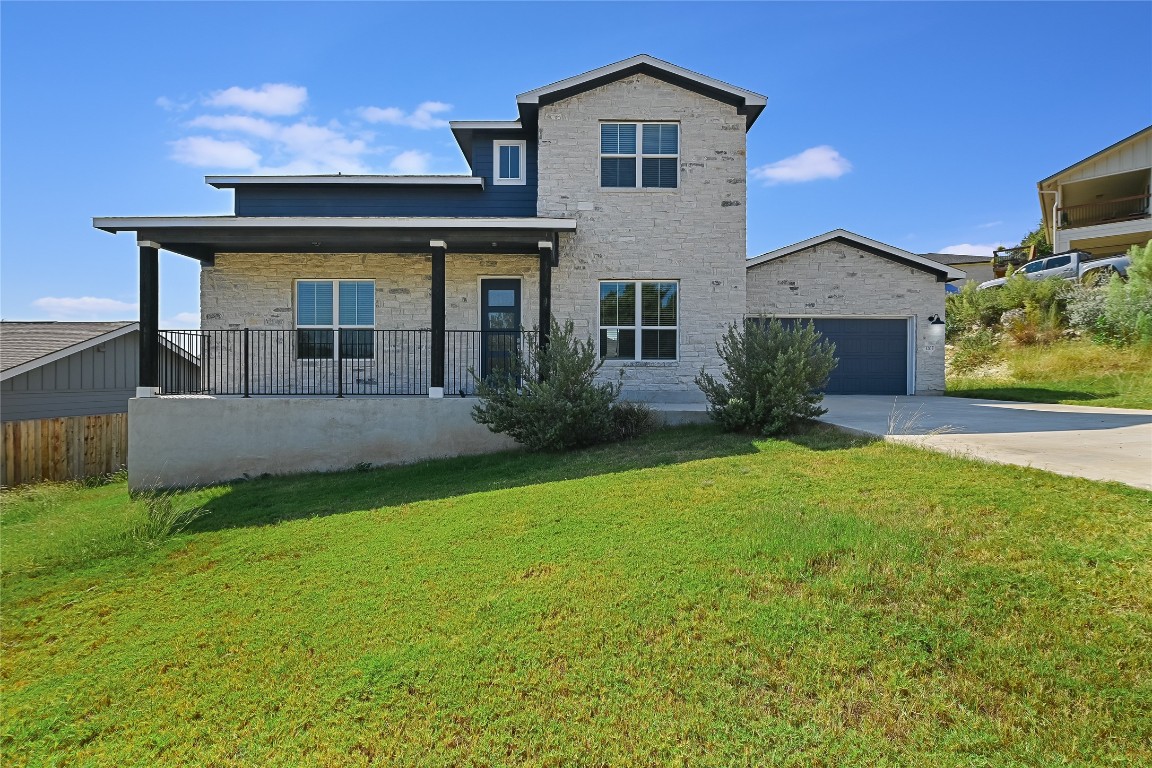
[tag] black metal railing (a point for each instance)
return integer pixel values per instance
(1103, 211)
(348, 362)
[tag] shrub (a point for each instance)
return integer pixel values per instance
(971, 308)
(568, 409)
(632, 420)
(772, 376)
(1128, 305)
(1085, 307)
(974, 350)
(1029, 325)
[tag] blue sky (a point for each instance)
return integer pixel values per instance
(923, 125)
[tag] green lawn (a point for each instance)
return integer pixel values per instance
(691, 598)
(1070, 372)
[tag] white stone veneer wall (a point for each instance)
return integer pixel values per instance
(257, 291)
(834, 279)
(694, 234)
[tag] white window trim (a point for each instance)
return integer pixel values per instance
(640, 155)
(523, 145)
(335, 326)
(639, 326)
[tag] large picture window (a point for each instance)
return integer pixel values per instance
(327, 310)
(652, 162)
(639, 320)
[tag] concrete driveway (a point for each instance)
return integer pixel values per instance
(1096, 443)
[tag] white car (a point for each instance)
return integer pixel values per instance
(1070, 265)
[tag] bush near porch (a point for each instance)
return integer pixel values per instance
(690, 597)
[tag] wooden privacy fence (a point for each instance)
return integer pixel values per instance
(66, 448)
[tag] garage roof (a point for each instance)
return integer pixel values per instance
(943, 272)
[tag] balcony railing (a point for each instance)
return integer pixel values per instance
(251, 363)
(1103, 211)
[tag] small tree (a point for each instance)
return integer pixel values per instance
(565, 408)
(1039, 238)
(1128, 307)
(772, 378)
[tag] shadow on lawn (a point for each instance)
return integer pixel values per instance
(1030, 394)
(270, 500)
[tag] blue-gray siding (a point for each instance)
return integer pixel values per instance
(95, 380)
(395, 200)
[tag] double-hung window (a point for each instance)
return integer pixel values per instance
(508, 162)
(331, 310)
(639, 320)
(653, 162)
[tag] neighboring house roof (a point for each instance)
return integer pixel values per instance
(1095, 155)
(746, 102)
(25, 346)
(943, 272)
(956, 258)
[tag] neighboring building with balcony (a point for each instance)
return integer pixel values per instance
(1101, 204)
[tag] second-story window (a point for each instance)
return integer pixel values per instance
(643, 155)
(508, 162)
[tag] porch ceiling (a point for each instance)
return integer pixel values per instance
(202, 237)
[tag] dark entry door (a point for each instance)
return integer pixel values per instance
(499, 324)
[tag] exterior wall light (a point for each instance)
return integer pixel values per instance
(935, 320)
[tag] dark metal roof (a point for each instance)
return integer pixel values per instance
(24, 342)
(955, 258)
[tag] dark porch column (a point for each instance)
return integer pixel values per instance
(149, 315)
(436, 383)
(546, 256)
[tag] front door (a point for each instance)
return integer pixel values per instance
(499, 324)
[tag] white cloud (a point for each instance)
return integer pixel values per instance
(821, 162)
(989, 225)
(255, 126)
(971, 249)
(423, 117)
(86, 308)
(207, 152)
(268, 99)
(181, 321)
(411, 161)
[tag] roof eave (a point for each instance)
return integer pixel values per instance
(748, 103)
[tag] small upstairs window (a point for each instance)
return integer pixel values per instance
(508, 162)
(652, 163)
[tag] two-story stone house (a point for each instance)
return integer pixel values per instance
(616, 200)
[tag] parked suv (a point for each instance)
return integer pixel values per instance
(1070, 265)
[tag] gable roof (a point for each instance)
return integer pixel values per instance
(25, 346)
(943, 272)
(1095, 155)
(747, 102)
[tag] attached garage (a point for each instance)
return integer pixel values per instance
(882, 306)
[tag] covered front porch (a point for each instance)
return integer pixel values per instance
(347, 306)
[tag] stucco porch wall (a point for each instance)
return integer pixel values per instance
(694, 234)
(834, 279)
(189, 441)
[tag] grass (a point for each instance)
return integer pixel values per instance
(1069, 372)
(691, 598)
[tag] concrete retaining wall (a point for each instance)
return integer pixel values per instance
(186, 441)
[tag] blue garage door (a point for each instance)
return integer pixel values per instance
(873, 355)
